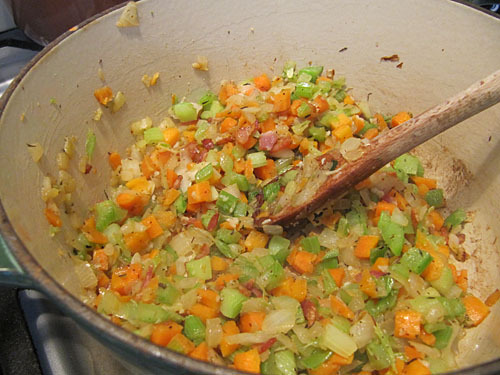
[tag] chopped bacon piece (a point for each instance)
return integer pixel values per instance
(208, 144)
(267, 141)
(310, 312)
(267, 345)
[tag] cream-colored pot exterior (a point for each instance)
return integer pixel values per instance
(443, 46)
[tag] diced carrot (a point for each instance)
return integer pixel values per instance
(104, 95)
(266, 172)
(139, 184)
(223, 279)
(171, 136)
(200, 192)
(443, 249)
(248, 361)
(380, 121)
(304, 146)
(248, 169)
(52, 217)
(127, 200)
(147, 166)
(124, 278)
(339, 360)
(262, 82)
(252, 321)
(328, 367)
(330, 219)
(200, 352)
(367, 284)
(475, 309)
(268, 125)
(170, 197)
(295, 106)
(492, 298)
(100, 260)
(171, 177)
(426, 337)
(227, 124)
(407, 324)
(282, 101)
(433, 271)
(181, 344)
(343, 132)
(218, 263)
(359, 123)
(400, 366)
(365, 245)
(163, 157)
(249, 144)
(399, 118)
(164, 332)
(137, 241)
(92, 234)
(338, 275)
(227, 89)
(384, 206)
(339, 307)
(348, 100)
(411, 353)
(293, 288)
(366, 183)
(114, 160)
(188, 135)
(209, 298)
(416, 367)
(380, 262)
(431, 183)
(321, 104)
(256, 239)
(302, 261)
(166, 219)
(229, 328)
(371, 133)
(437, 219)
(103, 280)
(153, 227)
(203, 312)
(243, 197)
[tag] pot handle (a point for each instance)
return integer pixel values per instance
(11, 273)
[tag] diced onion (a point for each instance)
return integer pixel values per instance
(213, 332)
(86, 276)
(274, 230)
(129, 16)
(248, 338)
(363, 331)
(279, 321)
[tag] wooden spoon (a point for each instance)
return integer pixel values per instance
(397, 141)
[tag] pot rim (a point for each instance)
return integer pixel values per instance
(121, 340)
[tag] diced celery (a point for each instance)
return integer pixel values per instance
(226, 202)
(313, 71)
(240, 210)
(379, 357)
(384, 285)
(273, 272)
(365, 108)
(368, 126)
(437, 365)
(434, 197)
(234, 178)
(204, 173)
(201, 129)
(226, 250)
(343, 227)
(329, 284)
(270, 191)
(431, 309)
(207, 99)
(200, 268)
(238, 151)
(416, 260)
(167, 294)
(455, 218)
(226, 163)
(318, 133)
(399, 269)
(180, 204)
(311, 244)
(207, 217)
(289, 70)
(258, 159)
(285, 362)
(337, 341)
(149, 313)
(327, 263)
(90, 143)
(268, 367)
(153, 135)
(246, 269)
(304, 110)
(383, 304)
(279, 248)
(443, 337)
(185, 112)
(341, 323)
(194, 329)
(304, 90)
(392, 233)
(340, 95)
(283, 165)
(316, 358)
(445, 281)
(325, 86)
(407, 163)
(345, 296)
(433, 327)
(232, 301)
(378, 252)
(107, 212)
(328, 119)
(176, 344)
(228, 236)
(109, 303)
(453, 307)
(288, 176)
(339, 82)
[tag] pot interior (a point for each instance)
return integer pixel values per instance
(440, 55)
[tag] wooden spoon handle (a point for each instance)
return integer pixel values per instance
(397, 141)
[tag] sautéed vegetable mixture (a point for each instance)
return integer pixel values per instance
(182, 253)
